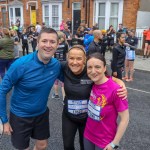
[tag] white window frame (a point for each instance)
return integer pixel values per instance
(14, 18)
(50, 13)
(107, 11)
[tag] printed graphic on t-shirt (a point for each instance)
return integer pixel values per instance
(95, 105)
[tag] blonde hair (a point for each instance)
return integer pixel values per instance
(61, 36)
(80, 47)
(6, 32)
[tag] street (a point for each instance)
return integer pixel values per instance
(137, 136)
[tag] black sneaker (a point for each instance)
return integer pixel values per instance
(55, 96)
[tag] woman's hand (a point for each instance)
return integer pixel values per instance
(108, 147)
(122, 92)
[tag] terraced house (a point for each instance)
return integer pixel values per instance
(103, 12)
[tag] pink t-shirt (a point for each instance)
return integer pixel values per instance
(103, 108)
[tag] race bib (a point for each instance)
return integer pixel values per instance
(77, 106)
(130, 54)
(94, 111)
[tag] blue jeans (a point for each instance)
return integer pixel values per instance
(4, 65)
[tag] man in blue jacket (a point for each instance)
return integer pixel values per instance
(32, 77)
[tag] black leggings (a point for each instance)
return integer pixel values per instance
(88, 145)
(69, 129)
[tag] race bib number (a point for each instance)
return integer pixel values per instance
(94, 111)
(77, 106)
(130, 54)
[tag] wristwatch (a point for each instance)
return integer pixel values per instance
(113, 145)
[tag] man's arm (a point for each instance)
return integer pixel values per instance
(114, 61)
(10, 79)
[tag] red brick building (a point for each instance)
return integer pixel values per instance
(103, 12)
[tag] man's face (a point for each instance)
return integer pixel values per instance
(66, 27)
(47, 46)
(120, 26)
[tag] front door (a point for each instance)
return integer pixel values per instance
(33, 15)
(76, 16)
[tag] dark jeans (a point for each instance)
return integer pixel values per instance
(34, 44)
(119, 73)
(69, 129)
(88, 145)
(4, 65)
(25, 46)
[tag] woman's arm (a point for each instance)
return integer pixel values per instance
(124, 120)
(122, 92)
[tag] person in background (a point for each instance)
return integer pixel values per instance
(111, 34)
(6, 51)
(60, 54)
(68, 34)
(96, 44)
(33, 38)
(43, 25)
(121, 29)
(69, 23)
(24, 38)
(102, 132)
(104, 42)
(62, 25)
(38, 27)
(88, 38)
(80, 35)
(130, 55)
(95, 26)
(118, 56)
(147, 43)
(15, 37)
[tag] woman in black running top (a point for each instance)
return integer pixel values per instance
(77, 86)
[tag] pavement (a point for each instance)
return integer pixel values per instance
(139, 64)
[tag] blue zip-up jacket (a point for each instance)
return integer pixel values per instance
(87, 41)
(32, 81)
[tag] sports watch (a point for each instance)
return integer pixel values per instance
(113, 145)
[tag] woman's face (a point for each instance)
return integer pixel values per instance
(96, 70)
(82, 29)
(76, 60)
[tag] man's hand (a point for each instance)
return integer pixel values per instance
(7, 129)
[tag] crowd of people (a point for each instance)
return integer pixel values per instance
(92, 98)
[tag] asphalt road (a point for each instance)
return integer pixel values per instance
(137, 136)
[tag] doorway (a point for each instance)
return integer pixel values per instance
(76, 16)
(33, 15)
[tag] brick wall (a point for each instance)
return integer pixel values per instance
(130, 13)
(67, 11)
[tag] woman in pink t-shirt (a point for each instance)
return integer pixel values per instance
(102, 131)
